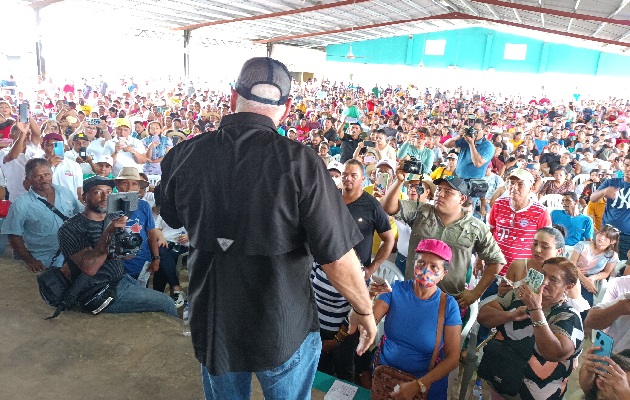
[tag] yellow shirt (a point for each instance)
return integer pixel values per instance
(441, 172)
(376, 242)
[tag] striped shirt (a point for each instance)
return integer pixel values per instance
(514, 230)
(332, 307)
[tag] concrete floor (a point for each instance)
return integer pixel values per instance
(79, 356)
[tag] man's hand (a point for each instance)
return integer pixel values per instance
(80, 160)
(466, 298)
(375, 289)
(613, 381)
(55, 160)
(400, 174)
(35, 266)
(589, 285)
(367, 329)
(154, 266)
(611, 192)
(119, 222)
(65, 270)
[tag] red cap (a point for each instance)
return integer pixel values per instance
(53, 136)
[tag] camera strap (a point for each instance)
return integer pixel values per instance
(60, 215)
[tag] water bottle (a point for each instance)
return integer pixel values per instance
(476, 392)
(185, 317)
(177, 247)
(145, 274)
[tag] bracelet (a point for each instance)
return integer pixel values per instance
(342, 332)
(542, 322)
(364, 315)
(337, 340)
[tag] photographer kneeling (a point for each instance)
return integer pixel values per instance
(85, 240)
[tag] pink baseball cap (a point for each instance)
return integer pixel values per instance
(436, 247)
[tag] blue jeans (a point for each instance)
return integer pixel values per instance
(292, 380)
(401, 262)
(131, 297)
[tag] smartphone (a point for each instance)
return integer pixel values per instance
(369, 159)
(23, 112)
(53, 115)
(83, 152)
(382, 181)
(534, 279)
(156, 139)
(369, 143)
(605, 342)
(58, 149)
(160, 110)
(379, 280)
(363, 150)
(93, 121)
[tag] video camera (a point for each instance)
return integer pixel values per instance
(124, 245)
(413, 166)
(470, 131)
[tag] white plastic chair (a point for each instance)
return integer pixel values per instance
(390, 272)
(547, 178)
(603, 284)
(154, 179)
(551, 201)
(579, 179)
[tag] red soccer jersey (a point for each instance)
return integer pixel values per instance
(514, 230)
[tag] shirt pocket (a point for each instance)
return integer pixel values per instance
(461, 238)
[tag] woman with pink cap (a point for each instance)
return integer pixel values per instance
(412, 309)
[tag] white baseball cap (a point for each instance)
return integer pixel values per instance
(105, 159)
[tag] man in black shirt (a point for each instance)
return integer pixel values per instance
(349, 140)
(256, 206)
(84, 241)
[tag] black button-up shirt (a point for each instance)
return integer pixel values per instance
(256, 206)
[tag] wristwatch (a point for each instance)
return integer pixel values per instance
(153, 258)
(423, 389)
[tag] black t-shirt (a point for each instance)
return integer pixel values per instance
(549, 158)
(78, 233)
(348, 147)
(369, 216)
(258, 209)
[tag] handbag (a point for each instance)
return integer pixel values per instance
(504, 363)
(4, 208)
(385, 378)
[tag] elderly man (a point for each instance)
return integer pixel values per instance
(448, 222)
(126, 150)
(35, 218)
(250, 268)
(616, 191)
(515, 219)
(579, 226)
(79, 141)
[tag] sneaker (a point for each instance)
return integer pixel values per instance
(179, 298)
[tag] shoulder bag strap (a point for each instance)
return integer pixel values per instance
(440, 330)
(53, 209)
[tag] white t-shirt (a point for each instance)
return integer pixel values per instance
(618, 289)
(170, 234)
(73, 155)
(14, 170)
(68, 174)
(96, 148)
(123, 158)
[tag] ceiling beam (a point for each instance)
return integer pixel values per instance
(43, 3)
(549, 11)
(272, 15)
(546, 30)
(453, 15)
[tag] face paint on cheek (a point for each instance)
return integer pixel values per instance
(426, 278)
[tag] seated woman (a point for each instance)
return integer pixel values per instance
(548, 242)
(595, 260)
(555, 326)
(560, 184)
(410, 328)
(605, 382)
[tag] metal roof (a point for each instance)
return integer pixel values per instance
(315, 24)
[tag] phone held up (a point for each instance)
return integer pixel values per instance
(58, 149)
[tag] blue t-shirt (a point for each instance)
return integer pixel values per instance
(579, 228)
(410, 328)
(141, 222)
(465, 168)
(617, 211)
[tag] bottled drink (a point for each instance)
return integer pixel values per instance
(177, 247)
(476, 392)
(185, 317)
(145, 274)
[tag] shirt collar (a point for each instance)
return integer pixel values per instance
(247, 118)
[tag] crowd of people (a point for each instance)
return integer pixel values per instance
(453, 186)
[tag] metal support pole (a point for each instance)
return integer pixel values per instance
(41, 64)
(187, 52)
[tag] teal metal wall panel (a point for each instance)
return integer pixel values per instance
(481, 49)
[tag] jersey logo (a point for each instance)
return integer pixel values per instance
(225, 243)
(135, 228)
(622, 200)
